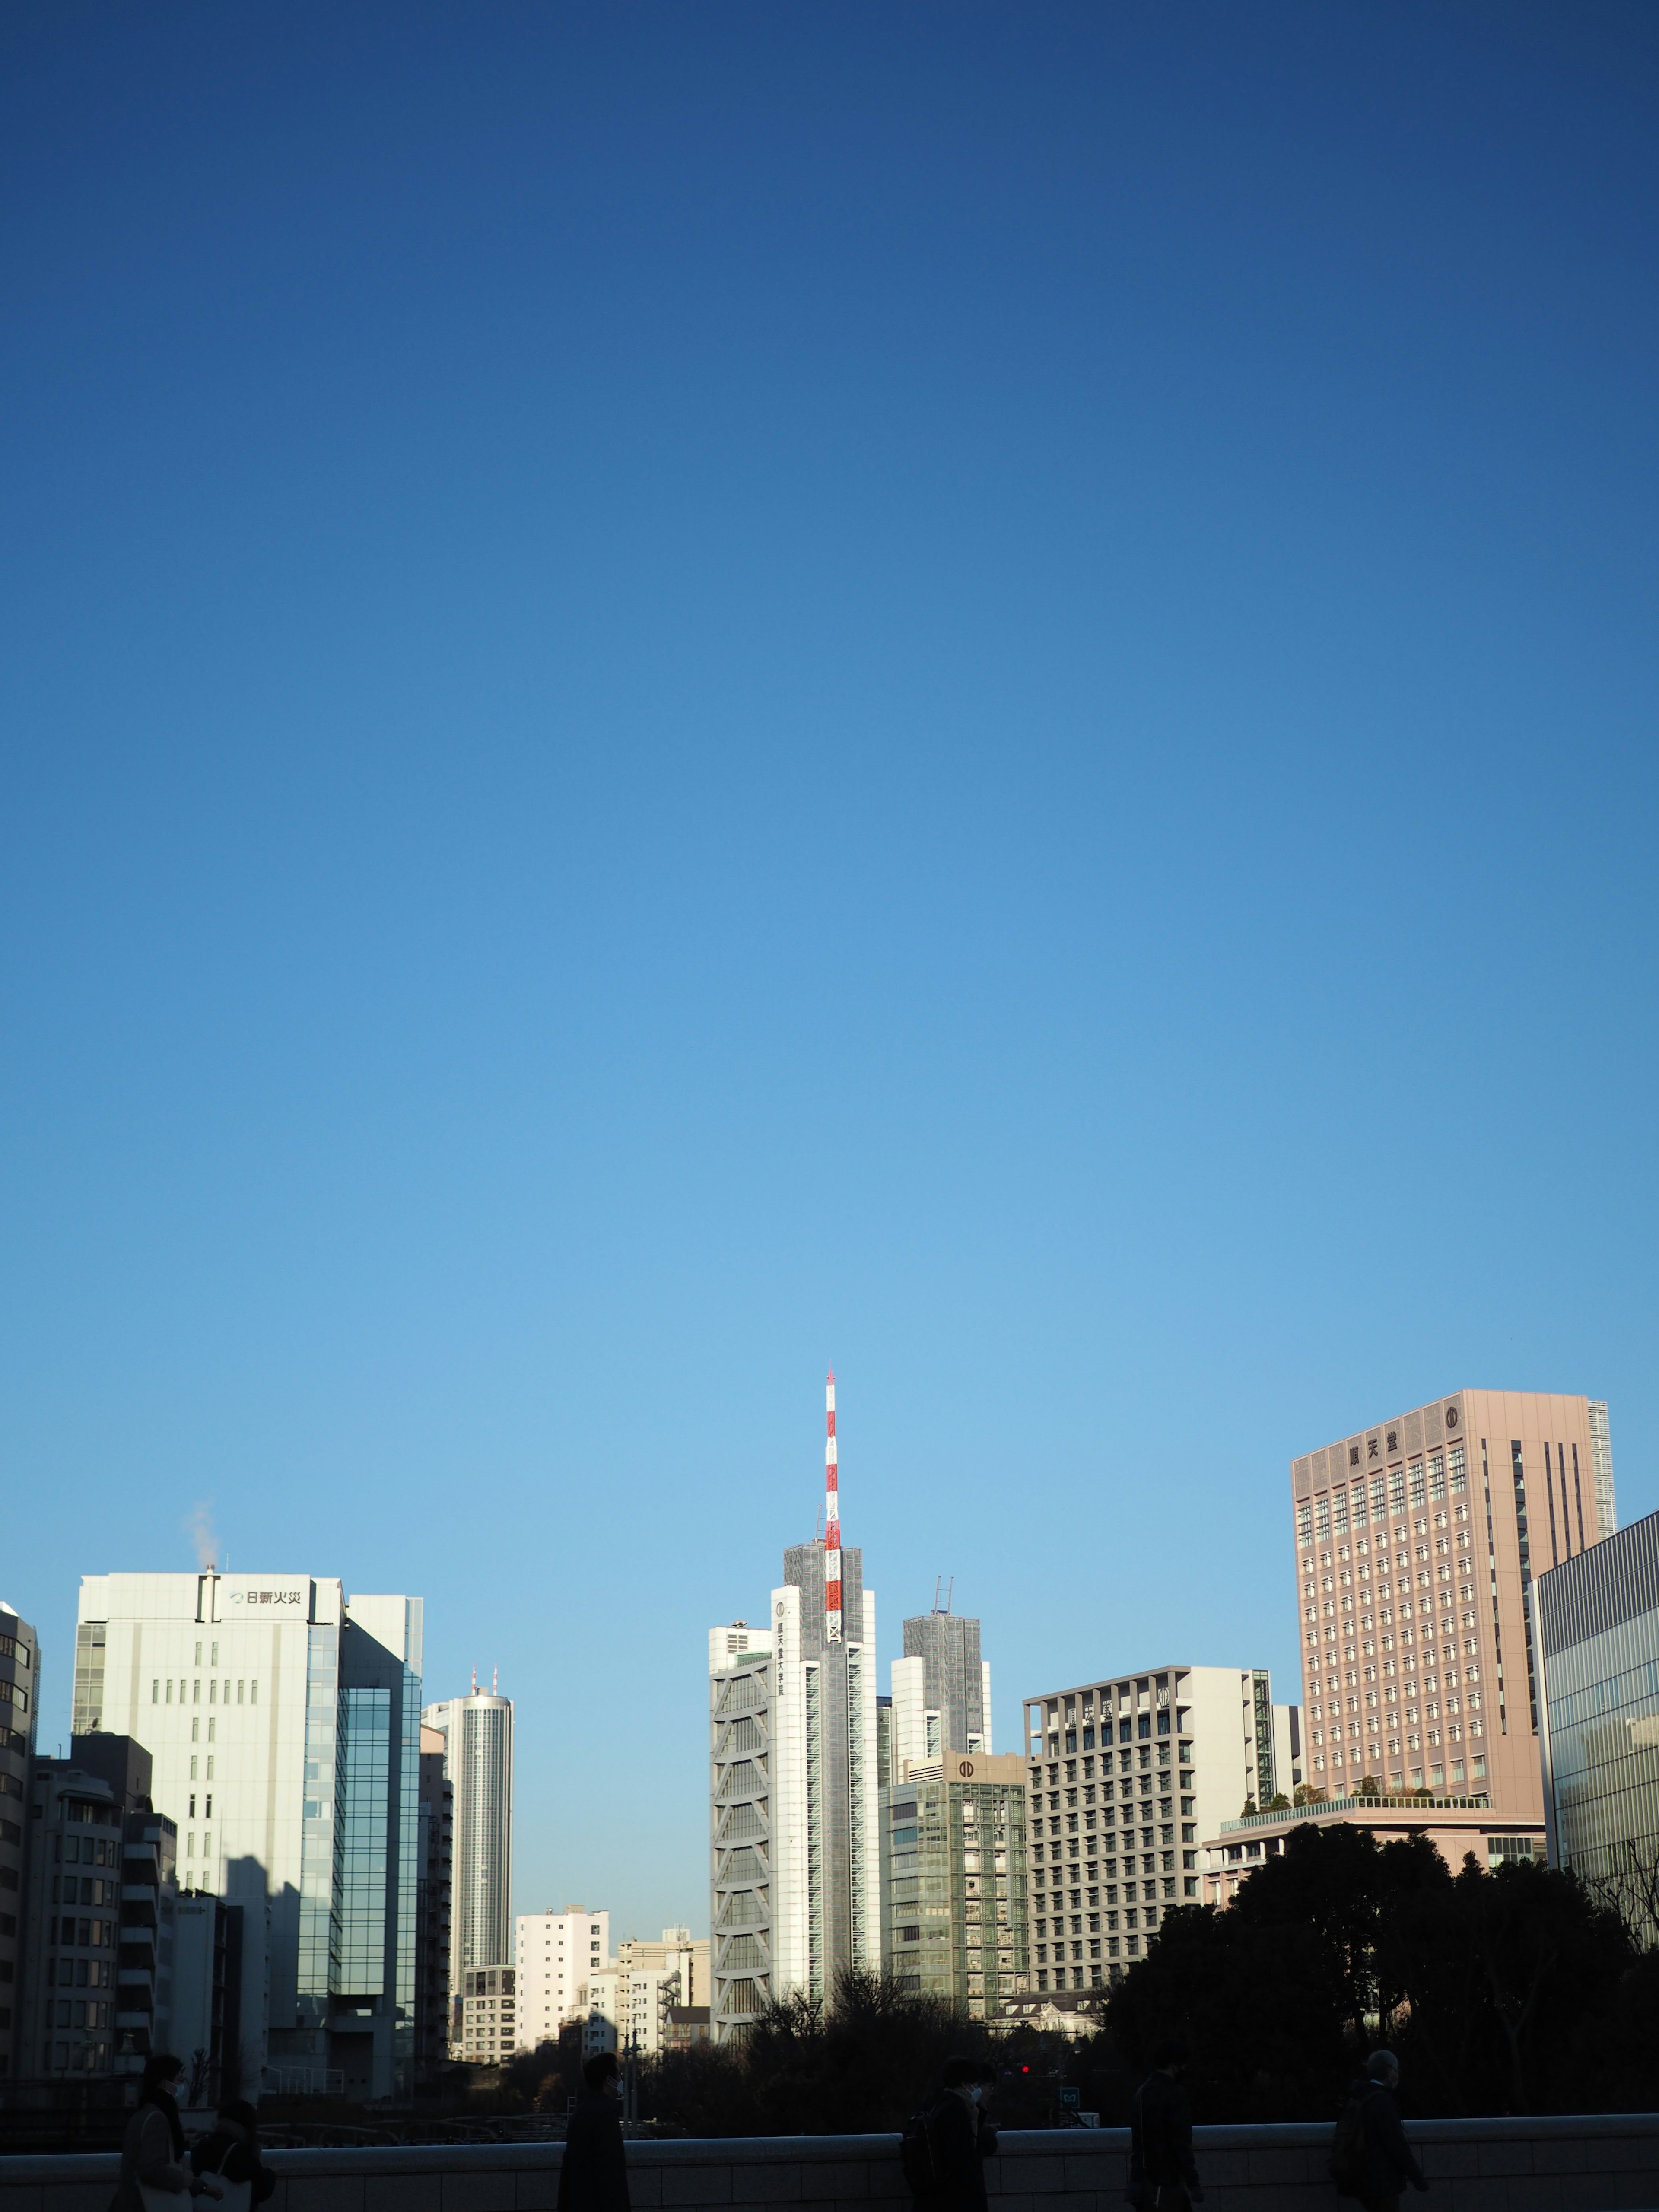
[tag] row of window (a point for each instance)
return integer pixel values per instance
(1331, 1511)
(80, 1973)
(158, 1684)
(96, 1935)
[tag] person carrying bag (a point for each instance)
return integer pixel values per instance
(231, 2154)
(154, 2175)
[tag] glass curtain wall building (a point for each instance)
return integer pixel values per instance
(283, 1727)
(1598, 1631)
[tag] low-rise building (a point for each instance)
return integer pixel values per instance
(1457, 1826)
(489, 2031)
(687, 2024)
(953, 1882)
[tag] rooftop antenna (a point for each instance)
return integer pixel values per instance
(494, 1682)
(949, 1594)
(938, 1579)
(831, 1520)
(475, 1681)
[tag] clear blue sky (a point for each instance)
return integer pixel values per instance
(695, 692)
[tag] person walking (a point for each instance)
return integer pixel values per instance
(231, 2153)
(1373, 2160)
(593, 2172)
(153, 2168)
(1161, 2175)
(956, 2138)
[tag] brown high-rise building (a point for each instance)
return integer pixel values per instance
(1416, 1542)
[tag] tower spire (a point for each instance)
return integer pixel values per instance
(831, 1520)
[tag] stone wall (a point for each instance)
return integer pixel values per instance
(1591, 2164)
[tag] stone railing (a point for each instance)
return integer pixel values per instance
(1558, 2164)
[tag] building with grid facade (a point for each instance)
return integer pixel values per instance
(19, 1676)
(941, 1693)
(283, 1726)
(794, 1842)
(1125, 1777)
(953, 1882)
(1416, 1543)
(1597, 1617)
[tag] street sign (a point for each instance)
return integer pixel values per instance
(1071, 2098)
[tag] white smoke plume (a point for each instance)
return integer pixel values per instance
(199, 1528)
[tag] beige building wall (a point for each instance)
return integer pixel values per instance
(1416, 1542)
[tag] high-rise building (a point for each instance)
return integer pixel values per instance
(1125, 1778)
(1417, 1541)
(437, 1856)
(283, 1725)
(794, 1844)
(941, 1691)
(954, 1881)
(557, 1955)
(19, 1677)
(477, 1732)
(1598, 1628)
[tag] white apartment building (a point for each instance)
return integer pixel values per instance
(282, 1725)
(653, 1977)
(794, 1833)
(1127, 1779)
(566, 1972)
(557, 1955)
(478, 1733)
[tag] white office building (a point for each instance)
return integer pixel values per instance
(557, 1955)
(1128, 1778)
(478, 1733)
(282, 1725)
(794, 1847)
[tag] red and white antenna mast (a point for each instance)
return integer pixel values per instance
(831, 1521)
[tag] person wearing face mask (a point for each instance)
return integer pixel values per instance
(959, 2138)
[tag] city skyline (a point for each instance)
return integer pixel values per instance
(1597, 1485)
(696, 694)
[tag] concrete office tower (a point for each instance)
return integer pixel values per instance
(556, 1954)
(436, 1859)
(941, 1691)
(20, 1679)
(1126, 1779)
(794, 1844)
(283, 1724)
(477, 1731)
(1416, 1543)
(1598, 1626)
